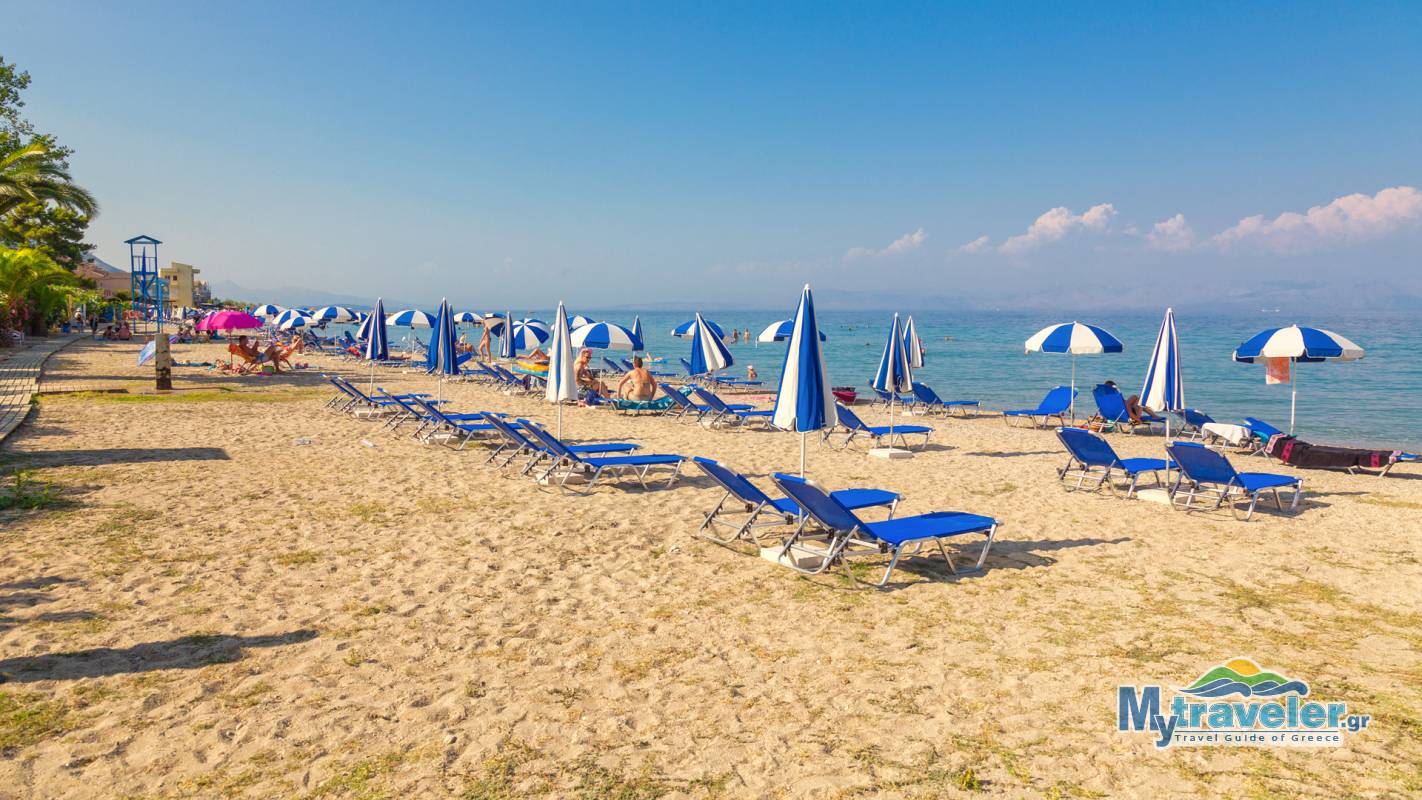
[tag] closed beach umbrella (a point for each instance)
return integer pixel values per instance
(1164, 390)
(377, 346)
(442, 355)
(411, 318)
(895, 373)
(562, 379)
(267, 310)
(334, 314)
(685, 329)
(780, 331)
(605, 336)
(1299, 345)
(367, 321)
(506, 340)
(913, 344)
(1077, 339)
(708, 352)
(804, 401)
(637, 331)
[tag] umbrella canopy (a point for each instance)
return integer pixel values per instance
(527, 337)
(605, 336)
(913, 344)
(288, 315)
(296, 321)
(377, 346)
(367, 321)
(443, 357)
(578, 320)
(229, 321)
(684, 330)
(334, 314)
(411, 318)
(267, 310)
(562, 378)
(780, 331)
(895, 374)
(1298, 344)
(804, 401)
(708, 352)
(637, 330)
(1164, 390)
(468, 318)
(1077, 339)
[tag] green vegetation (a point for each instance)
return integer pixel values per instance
(27, 718)
(18, 490)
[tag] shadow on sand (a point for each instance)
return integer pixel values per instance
(188, 652)
(122, 455)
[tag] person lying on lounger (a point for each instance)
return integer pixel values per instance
(637, 384)
(249, 353)
(1134, 408)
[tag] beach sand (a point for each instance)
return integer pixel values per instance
(214, 609)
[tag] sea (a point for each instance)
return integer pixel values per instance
(978, 355)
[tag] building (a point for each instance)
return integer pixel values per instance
(180, 286)
(107, 278)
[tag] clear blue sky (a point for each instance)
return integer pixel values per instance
(522, 153)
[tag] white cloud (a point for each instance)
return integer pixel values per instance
(1351, 217)
(1055, 224)
(1174, 234)
(977, 245)
(903, 244)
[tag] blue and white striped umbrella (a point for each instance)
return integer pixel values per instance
(1164, 390)
(804, 401)
(443, 357)
(468, 318)
(562, 376)
(578, 320)
(504, 330)
(637, 330)
(267, 310)
(913, 344)
(895, 373)
(1077, 339)
(708, 352)
(377, 345)
(1300, 345)
(286, 316)
(363, 332)
(334, 314)
(605, 336)
(780, 331)
(528, 337)
(684, 330)
(411, 318)
(296, 321)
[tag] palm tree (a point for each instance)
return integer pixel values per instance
(31, 174)
(32, 288)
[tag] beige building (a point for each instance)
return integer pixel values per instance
(108, 279)
(179, 278)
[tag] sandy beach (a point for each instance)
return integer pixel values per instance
(238, 593)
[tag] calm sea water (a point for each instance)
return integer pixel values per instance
(1376, 401)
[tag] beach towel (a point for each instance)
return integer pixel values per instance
(1295, 453)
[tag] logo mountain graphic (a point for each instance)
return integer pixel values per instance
(1243, 677)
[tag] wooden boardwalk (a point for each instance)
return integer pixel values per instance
(19, 378)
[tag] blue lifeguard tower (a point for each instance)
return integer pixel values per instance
(145, 287)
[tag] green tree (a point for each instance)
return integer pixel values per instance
(52, 229)
(33, 288)
(33, 174)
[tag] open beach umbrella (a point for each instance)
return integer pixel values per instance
(913, 344)
(1164, 390)
(411, 318)
(605, 336)
(578, 320)
(230, 321)
(637, 330)
(1298, 345)
(708, 352)
(267, 310)
(895, 373)
(377, 346)
(1076, 338)
(468, 318)
(506, 340)
(780, 331)
(804, 401)
(296, 321)
(334, 314)
(684, 330)
(562, 379)
(527, 337)
(288, 315)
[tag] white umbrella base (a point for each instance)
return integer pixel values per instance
(890, 452)
(1154, 496)
(801, 560)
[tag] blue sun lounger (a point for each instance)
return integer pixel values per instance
(627, 362)
(616, 368)
(1193, 422)
(570, 463)
(1090, 455)
(849, 536)
(1262, 433)
(409, 410)
(1111, 404)
(744, 498)
(720, 412)
(881, 396)
(681, 404)
(851, 426)
(355, 400)
(1206, 473)
(1056, 403)
(460, 429)
(929, 401)
(516, 444)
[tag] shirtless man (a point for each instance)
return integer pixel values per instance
(244, 348)
(642, 385)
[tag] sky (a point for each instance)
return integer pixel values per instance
(993, 154)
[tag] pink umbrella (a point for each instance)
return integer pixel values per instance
(229, 321)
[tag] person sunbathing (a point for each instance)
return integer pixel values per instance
(1134, 409)
(642, 385)
(249, 353)
(584, 374)
(537, 356)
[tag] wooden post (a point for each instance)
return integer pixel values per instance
(163, 362)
